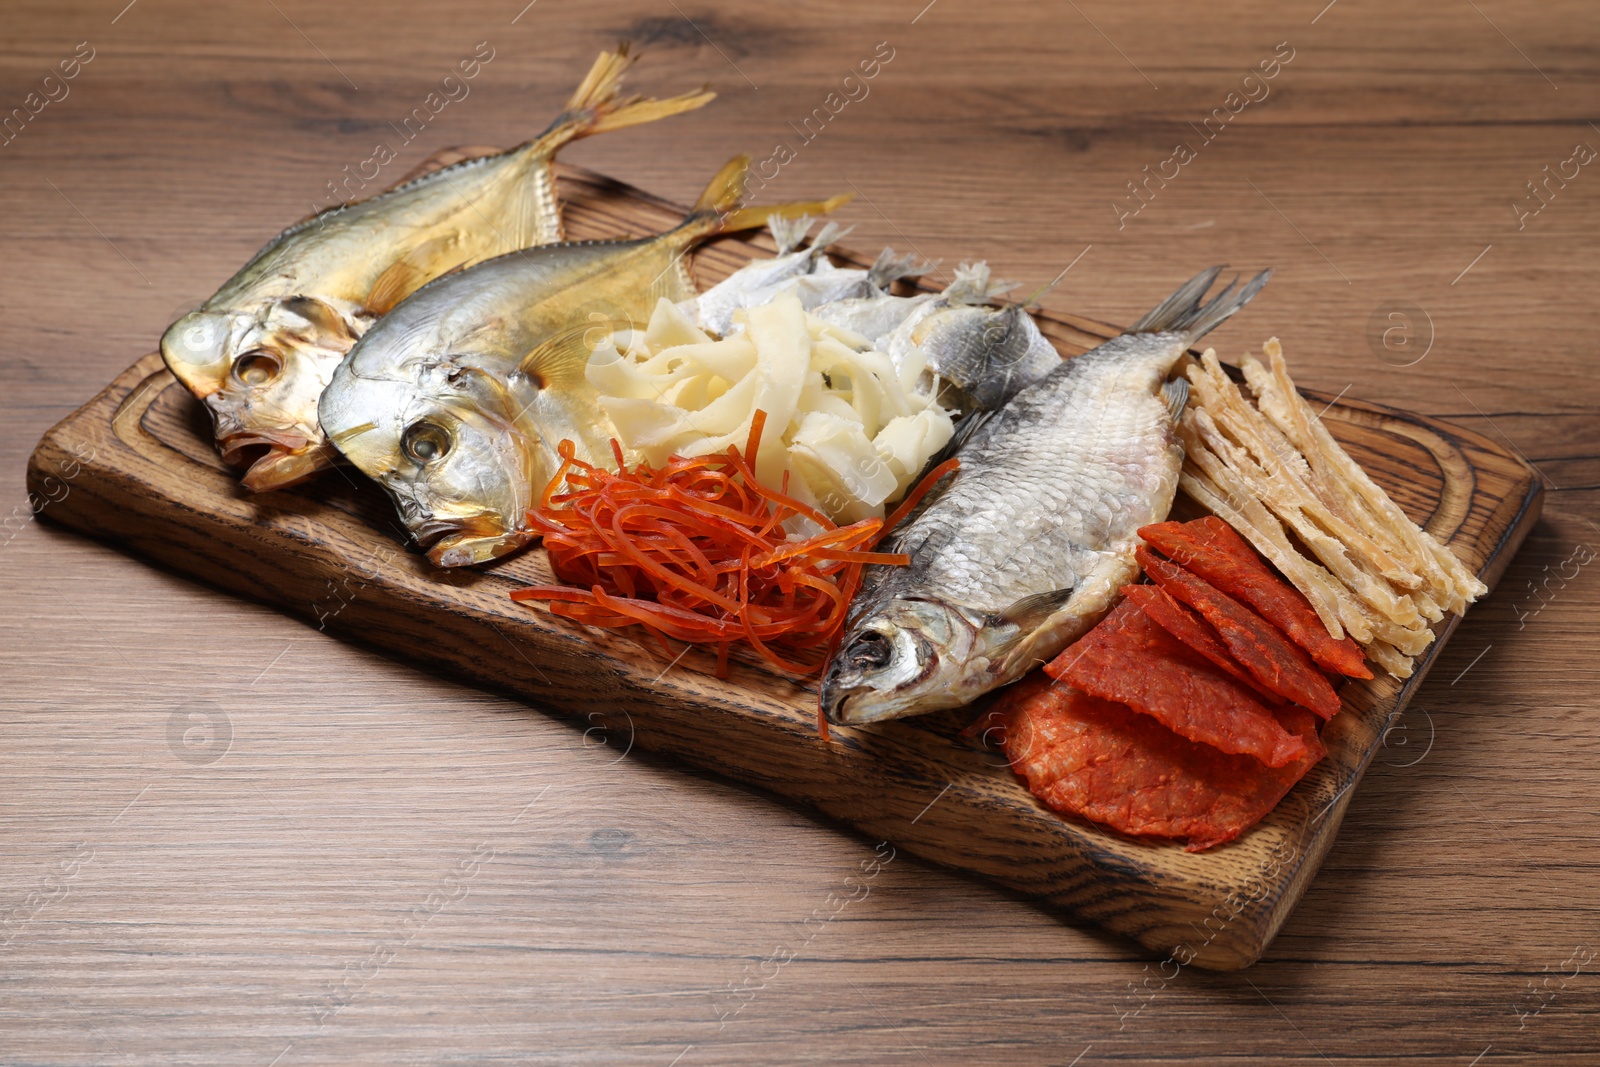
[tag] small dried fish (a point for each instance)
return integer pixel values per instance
(983, 352)
(1024, 548)
(809, 274)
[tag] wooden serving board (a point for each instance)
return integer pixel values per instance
(146, 478)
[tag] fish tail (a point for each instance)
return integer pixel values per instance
(890, 267)
(975, 284)
(594, 107)
(1187, 312)
(790, 234)
(597, 107)
(718, 210)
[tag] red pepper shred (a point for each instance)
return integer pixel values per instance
(696, 551)
(1099, 760)
(1129, 659)
(1214, 551)
(1275, 661)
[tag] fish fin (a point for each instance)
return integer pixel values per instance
(404, 276)
(1032, 610)
(830, 234)
(1176, 394)
(563, 357)
(1165, 315)
(594, 107)
(1091, 598)
(718, 210)
(973, 284)
(321, 315)
(1219, 308)
(789, 234)
(1183, 312)
(889, 266)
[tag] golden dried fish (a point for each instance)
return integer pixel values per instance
(457, 401)
(260, 351)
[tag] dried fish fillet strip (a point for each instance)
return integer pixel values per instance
(1294, 480)
(1242, 479)
(1264, 462)
(1456, 578)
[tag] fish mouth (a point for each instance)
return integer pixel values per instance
(275, 459)
(463, 542)
(855, 708)
(861, 705)
(886, 670)
(865, 684)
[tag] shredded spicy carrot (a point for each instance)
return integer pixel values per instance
(696, 551)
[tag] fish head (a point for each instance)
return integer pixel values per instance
(259, 373)
(979, 349)
(909, 656)
(440, 435)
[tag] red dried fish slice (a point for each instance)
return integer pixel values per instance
(1103, 761)
(1214, 550)
(1133, 661)
(1181, 622)
(1277, 663)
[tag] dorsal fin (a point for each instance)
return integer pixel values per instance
(1183, 312)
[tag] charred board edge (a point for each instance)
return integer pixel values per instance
(133, 491)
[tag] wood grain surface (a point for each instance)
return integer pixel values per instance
(227, 839)
(140, 460)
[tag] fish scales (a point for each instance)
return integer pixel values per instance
(1046, 494)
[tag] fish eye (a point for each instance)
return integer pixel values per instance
(256, 368)
(424, 441)
(869, 652)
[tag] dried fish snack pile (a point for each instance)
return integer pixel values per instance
(1263, 461)
(262, 349)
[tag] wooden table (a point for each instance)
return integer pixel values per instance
(227, 839)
